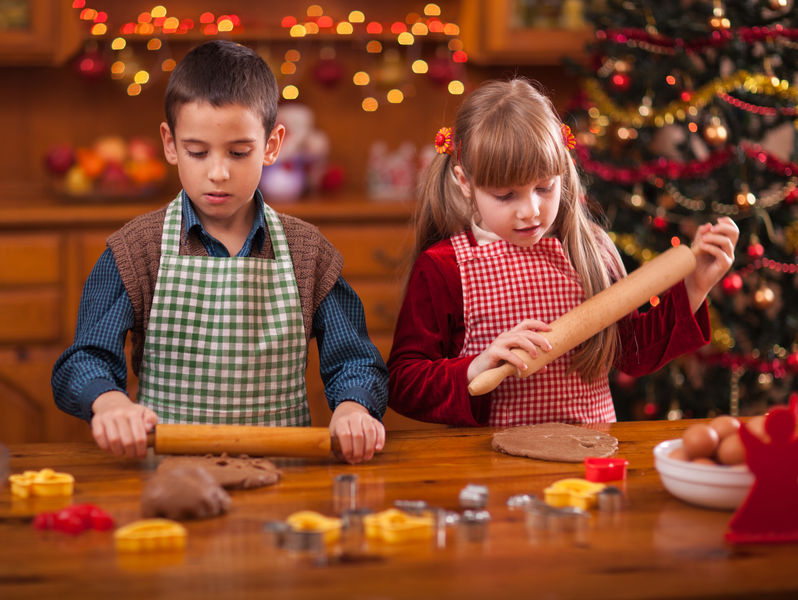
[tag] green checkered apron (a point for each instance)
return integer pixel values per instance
(226, 341)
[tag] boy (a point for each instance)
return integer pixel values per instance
(219, 339)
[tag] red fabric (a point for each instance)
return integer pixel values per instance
(503, 284)
(428, 375)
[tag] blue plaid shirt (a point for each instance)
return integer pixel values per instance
(351, 366)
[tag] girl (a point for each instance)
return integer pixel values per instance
(504, 245)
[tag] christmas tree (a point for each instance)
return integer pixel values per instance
(688, 112)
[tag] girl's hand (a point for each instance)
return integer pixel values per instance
(714, 247)
(524, 336)
(120, 426)
(359, 435)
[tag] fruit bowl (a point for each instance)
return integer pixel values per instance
(711, 486)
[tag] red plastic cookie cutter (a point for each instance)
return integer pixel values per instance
(605, 469)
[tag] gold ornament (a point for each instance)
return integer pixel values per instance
(764, 297)
(715, 133)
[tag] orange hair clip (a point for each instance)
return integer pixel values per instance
(567, 137)
(443, 141)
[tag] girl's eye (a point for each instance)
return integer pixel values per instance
(545, 190)
(506, 196)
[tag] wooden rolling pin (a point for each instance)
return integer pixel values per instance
(596, 313)
(254, 440)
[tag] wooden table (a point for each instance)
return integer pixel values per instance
(658, 547)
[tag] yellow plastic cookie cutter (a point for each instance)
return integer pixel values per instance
(309, 520)
(576, 492)
(396, 526)
(41, 483)
(150, 535)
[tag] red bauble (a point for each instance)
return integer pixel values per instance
(659, 223)
(732, 284)
(792, 362)
(756, 251)
(624, 381)
(620, 81)
(328, 71)
(91, 65)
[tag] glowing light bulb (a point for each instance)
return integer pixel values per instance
(361, 78)
(456, 87)
(356, 16)
(419, 67)
(118, 43)
(290, 92)
(395, 96)
(370, 104)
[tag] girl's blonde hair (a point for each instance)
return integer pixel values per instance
(507, 133)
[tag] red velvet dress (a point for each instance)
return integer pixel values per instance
(428, 374)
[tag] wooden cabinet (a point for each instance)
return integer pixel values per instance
(48, 250)
(524, 32)
(38, 32)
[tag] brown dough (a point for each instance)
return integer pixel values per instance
(554, 441)
(241, 472)
(185, 492)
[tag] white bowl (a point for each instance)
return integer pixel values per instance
(711, 486)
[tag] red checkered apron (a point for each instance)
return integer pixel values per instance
(504, 284)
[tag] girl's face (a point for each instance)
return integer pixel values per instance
(520, 215)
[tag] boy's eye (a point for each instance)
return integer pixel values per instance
(196, 153)
(242, 154)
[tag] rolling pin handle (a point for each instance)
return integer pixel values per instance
(151, 439)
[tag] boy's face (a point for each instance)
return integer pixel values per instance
(219, 153)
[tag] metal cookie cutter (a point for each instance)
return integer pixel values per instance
(151, 535)
(276, 530)
(474, 496)
(413, 507)
(307, 520)
(345, 492)
(610, 499)
(474, 524)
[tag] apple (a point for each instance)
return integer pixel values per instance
(112, 149)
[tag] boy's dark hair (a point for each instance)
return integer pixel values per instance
(221, 72)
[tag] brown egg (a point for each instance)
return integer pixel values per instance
(704, 461)
(678, 454)
(756, 425)
(731, 450)
(700, 441)
(725, 425)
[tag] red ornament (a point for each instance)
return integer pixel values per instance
(91, 65)
(732, 284)
(792, 362)
(659, 223)
(621, 81)
(328, 71)
(756, 251)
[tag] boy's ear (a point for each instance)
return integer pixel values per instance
(169, 148)
(273, 143)
(462, 181)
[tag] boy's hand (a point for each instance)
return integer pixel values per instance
(523, 336)
(359, 434)
(714, 247)
(120, 426)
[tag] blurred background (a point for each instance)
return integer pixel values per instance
(682, 111)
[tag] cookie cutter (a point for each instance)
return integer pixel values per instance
(308, 520)
(599, 469)
(41, 483)
(522, 501)
(151, 535)
(276, 531)
(304, 540)
(474, 524)
(443, 520)
(610, 499)
(345, 492)
(396, 526)
(473, 496)
(576, 492)
(413, 507)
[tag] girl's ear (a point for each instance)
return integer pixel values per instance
(273, 144)
(169, 148)
(462, 181)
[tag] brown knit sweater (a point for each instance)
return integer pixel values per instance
(137, 251)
